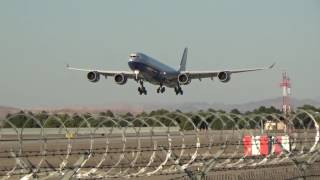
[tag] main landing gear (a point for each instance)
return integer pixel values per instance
(142, 89)
(178, 90)
(161, 89)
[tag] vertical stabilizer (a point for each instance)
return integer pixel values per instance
(184, 60)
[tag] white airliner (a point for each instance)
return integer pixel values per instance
(144, 68)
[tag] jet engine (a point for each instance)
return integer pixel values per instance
(120, 79)
(224, 76)
(184, 79)
(93, 76)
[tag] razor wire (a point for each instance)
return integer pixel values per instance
(174, 143)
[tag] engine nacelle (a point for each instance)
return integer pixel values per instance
(120, 79)
(93, 76)
(184, 79)
(224, 76)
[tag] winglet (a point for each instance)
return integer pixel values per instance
(272, 65)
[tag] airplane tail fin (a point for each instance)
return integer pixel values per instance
(184, 60)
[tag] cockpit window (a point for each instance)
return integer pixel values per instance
(134, 56)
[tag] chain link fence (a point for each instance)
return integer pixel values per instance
(173, 145)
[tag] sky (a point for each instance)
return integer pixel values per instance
(38, 38)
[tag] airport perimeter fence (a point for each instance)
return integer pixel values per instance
(170, 146)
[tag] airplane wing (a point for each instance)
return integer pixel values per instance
(128, 74)
(212, 74)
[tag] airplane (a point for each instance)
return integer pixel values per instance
(145, 68)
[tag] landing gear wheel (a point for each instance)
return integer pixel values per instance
(178, 90)
(142, 90)
(163, 89)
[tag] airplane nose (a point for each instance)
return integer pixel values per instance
(132, 64)
(132, 59)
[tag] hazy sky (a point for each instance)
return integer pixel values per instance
(37, 39)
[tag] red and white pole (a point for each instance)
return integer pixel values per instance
(286, 92)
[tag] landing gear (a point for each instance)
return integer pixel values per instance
(142, 89)
(178, 90)
(161, 89)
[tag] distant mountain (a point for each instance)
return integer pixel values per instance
(276, 102)
(120, 108)
(6, 110)
(196, 106)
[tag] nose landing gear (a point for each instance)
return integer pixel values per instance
(142, 89)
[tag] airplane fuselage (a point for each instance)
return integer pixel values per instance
(153, 71)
